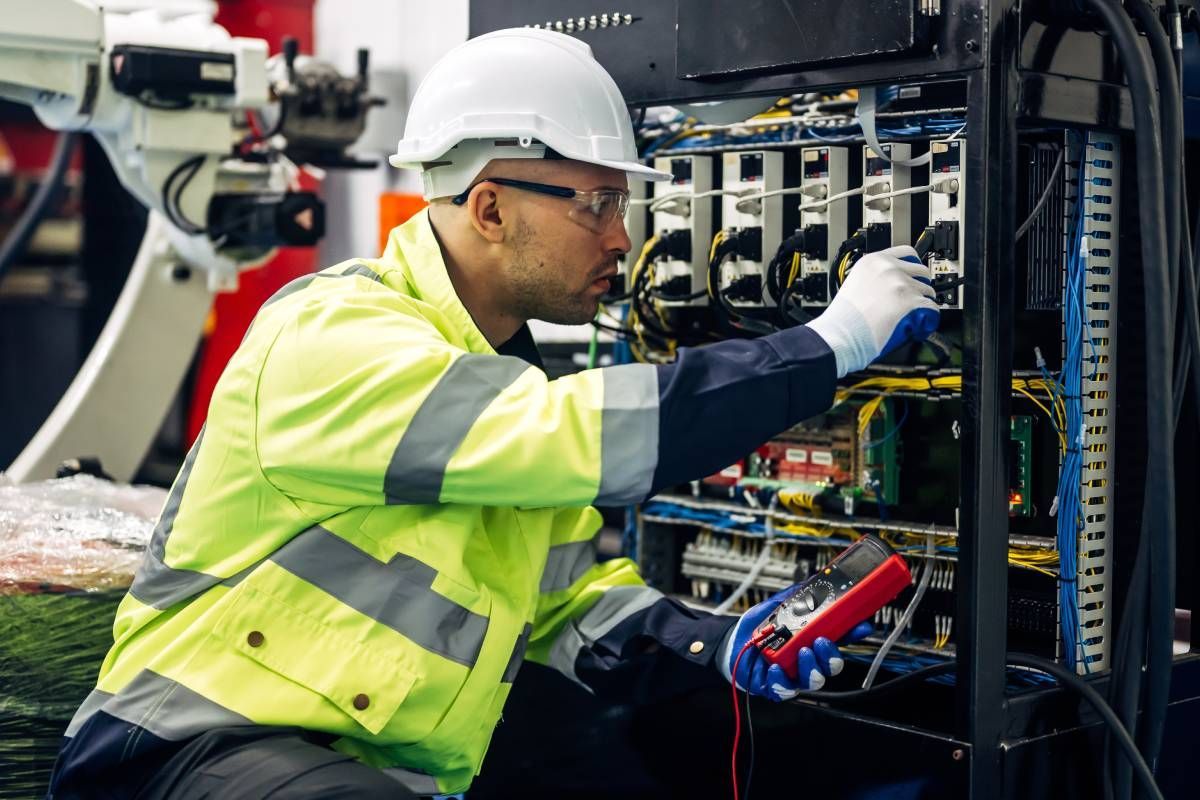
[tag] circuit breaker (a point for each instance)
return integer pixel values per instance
(683, 216)
(947, 199)
(824, 176)
(745, 175)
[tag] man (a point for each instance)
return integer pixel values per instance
(390, 506)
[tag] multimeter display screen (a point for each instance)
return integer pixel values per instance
(857, 562)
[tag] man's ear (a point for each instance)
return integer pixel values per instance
(483, 209)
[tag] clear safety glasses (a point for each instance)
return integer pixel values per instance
(594, 210)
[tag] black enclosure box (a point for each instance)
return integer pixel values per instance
(788, 34)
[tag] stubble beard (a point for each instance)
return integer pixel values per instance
(537, 295)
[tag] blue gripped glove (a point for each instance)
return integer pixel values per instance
(887, 300)
(758, 676)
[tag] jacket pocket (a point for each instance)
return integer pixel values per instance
(365, 684)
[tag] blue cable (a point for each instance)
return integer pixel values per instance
(892, 432)
(833, 134)
(1069, 493)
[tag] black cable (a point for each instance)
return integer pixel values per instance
(1160, 649)
(1171, 125)
(1173, 14)
(1065, 678)
(171, 201)
(1185, 362)
(1190, 255)
(661, 295)
(1069, 680)
(38, 205)
(1158, 509)
(1051, 183)
(613, 329)
(721, 304)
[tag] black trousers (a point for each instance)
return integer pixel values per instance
(260, 763)
(556, 741)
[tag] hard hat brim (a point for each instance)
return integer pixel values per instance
(636, 171)
(633, 169)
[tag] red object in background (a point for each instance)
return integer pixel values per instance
(728, 476)
(30, 145)
(803, 462)
(232, 313)
(269, 19)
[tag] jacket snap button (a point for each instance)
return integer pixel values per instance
(255, 639)
(696, 647)
(361, 701)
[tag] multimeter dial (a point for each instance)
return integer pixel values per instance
(795, 612)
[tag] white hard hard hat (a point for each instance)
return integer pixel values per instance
(514, 94)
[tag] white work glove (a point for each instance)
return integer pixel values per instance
(887, 300)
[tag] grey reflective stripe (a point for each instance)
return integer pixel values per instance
(159, 705)
(629, 434)
(518, 654)
(566, 564)
(155, 583)
(398, 594)
(90, 705)
(289, 288)
(161, 586)
(298, 284)
(618, 604)
(417, 782)
(566, 648)
(364, 270)
(463, 393)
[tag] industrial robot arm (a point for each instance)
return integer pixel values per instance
(173, 100)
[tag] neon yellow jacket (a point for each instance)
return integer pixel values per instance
(383, 517)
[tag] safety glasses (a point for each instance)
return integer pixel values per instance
(594, 210)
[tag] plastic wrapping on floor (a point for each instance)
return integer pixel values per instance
(68, 550)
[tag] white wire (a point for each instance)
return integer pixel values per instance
(759, 565)
(926, 574)
(867, 198)
(656, 203)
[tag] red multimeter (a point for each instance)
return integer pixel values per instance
(863, 579)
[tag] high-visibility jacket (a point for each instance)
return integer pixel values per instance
(384, 516)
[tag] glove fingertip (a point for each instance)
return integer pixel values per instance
(860, 631)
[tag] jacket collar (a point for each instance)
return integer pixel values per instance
(414, 250)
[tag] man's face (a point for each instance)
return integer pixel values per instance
(557, 269)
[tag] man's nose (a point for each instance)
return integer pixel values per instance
(616, 237)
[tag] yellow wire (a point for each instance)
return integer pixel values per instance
(712, 255)
(842, 266)
(795, 270)
(716, 242)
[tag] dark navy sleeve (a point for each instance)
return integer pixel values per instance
(719, 402)
(663, 650)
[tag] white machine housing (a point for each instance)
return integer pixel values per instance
(824, 173)
(947, 199)
(742, 173)
(677, 207)
(883, 176)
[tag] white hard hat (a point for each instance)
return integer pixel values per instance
(514, 94)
